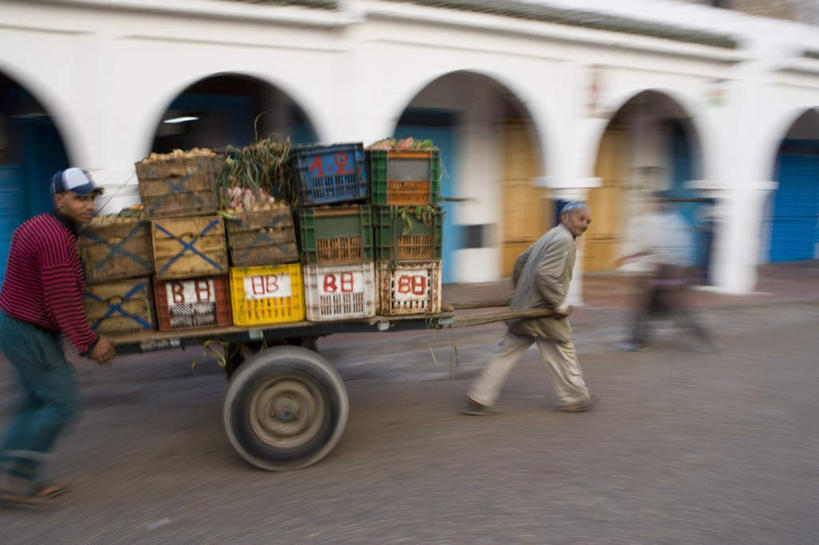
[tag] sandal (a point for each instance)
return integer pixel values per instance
(40, 495)
(580, 407)
(50, 490)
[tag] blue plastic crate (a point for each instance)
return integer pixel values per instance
(330, 174)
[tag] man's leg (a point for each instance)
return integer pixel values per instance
(486, 388)
(684, 316)
(564, 371)
(640, 330)
(51, 399)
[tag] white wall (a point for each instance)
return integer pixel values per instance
(107, 75)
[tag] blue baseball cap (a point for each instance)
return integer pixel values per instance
(75, 180)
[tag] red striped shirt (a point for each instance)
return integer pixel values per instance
(44, 281)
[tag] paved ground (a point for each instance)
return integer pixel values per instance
(684, 448)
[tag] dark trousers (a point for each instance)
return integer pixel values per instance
(666, 296)
(50, 398)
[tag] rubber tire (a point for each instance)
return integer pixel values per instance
(258, 370)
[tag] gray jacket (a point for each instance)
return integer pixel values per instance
(542, 276)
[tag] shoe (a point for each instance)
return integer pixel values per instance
(629, 346)
(473, 408)
(580, 407)
(39, 495)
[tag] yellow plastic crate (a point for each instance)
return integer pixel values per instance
(267, 294)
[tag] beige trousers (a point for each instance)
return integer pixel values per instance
(561, 363)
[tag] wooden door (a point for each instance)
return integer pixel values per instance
(526, 208)
(604, 236)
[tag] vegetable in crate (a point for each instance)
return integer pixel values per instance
(262, 168)
(423, 213)
(408, 143)
(237, 199)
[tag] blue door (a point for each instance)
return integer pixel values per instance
(439, 126)
(691, 205)
(12, 205)
(794, 232)
(24, 186)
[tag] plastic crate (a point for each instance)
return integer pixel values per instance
(405, 177)
(268, 294)
(120, 307)
(339, 292)
(192, 302)
(336, 235)
(262, 237)
(395, 242)
(408, 288)
(189, 247)
(178, 186)
(116, 250)
(330, 174)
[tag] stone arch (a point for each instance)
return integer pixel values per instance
(651, 142)
(62, 116)
(491, 119)
(790, 231)
(686, 106)
(542, 122)
(166, 99)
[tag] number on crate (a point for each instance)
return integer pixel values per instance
(345, 282)
(414, 284)
(191, 291)
(338, 167)
(267, 286)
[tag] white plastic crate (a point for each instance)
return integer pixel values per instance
(409, 287)
(339, 292)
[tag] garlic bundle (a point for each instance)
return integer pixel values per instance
(238, 199)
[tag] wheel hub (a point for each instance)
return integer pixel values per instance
(286, 411)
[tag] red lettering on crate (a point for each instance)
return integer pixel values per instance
(264, 285)
(340, 160)
(202, 288)
(330, 283)
(415, 284)
(316, 168)
(178, 292)
(347, 282)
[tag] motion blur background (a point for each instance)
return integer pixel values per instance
(531, 103)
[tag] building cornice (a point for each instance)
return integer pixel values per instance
(583, 18)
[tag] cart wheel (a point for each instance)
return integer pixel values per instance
(286, 408)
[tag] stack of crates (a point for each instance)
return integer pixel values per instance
(118, 260)
(408, 229)
(335, 232)
(265, 275)
(178, 192)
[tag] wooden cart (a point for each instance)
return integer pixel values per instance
(286, 406)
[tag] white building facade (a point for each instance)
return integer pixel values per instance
(531, 102)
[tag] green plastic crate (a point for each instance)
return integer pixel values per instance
(336, 235)
(405, 177)
(395, 242)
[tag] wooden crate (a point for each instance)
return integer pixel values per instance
(125, 306)
(189, 247)
(178, 186)
(263, 237)
(116, 250)
(192, 302)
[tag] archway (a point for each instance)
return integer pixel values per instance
(230, 109)
(649, 145)
(31, 151)
(490, 154)
(793, 211)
